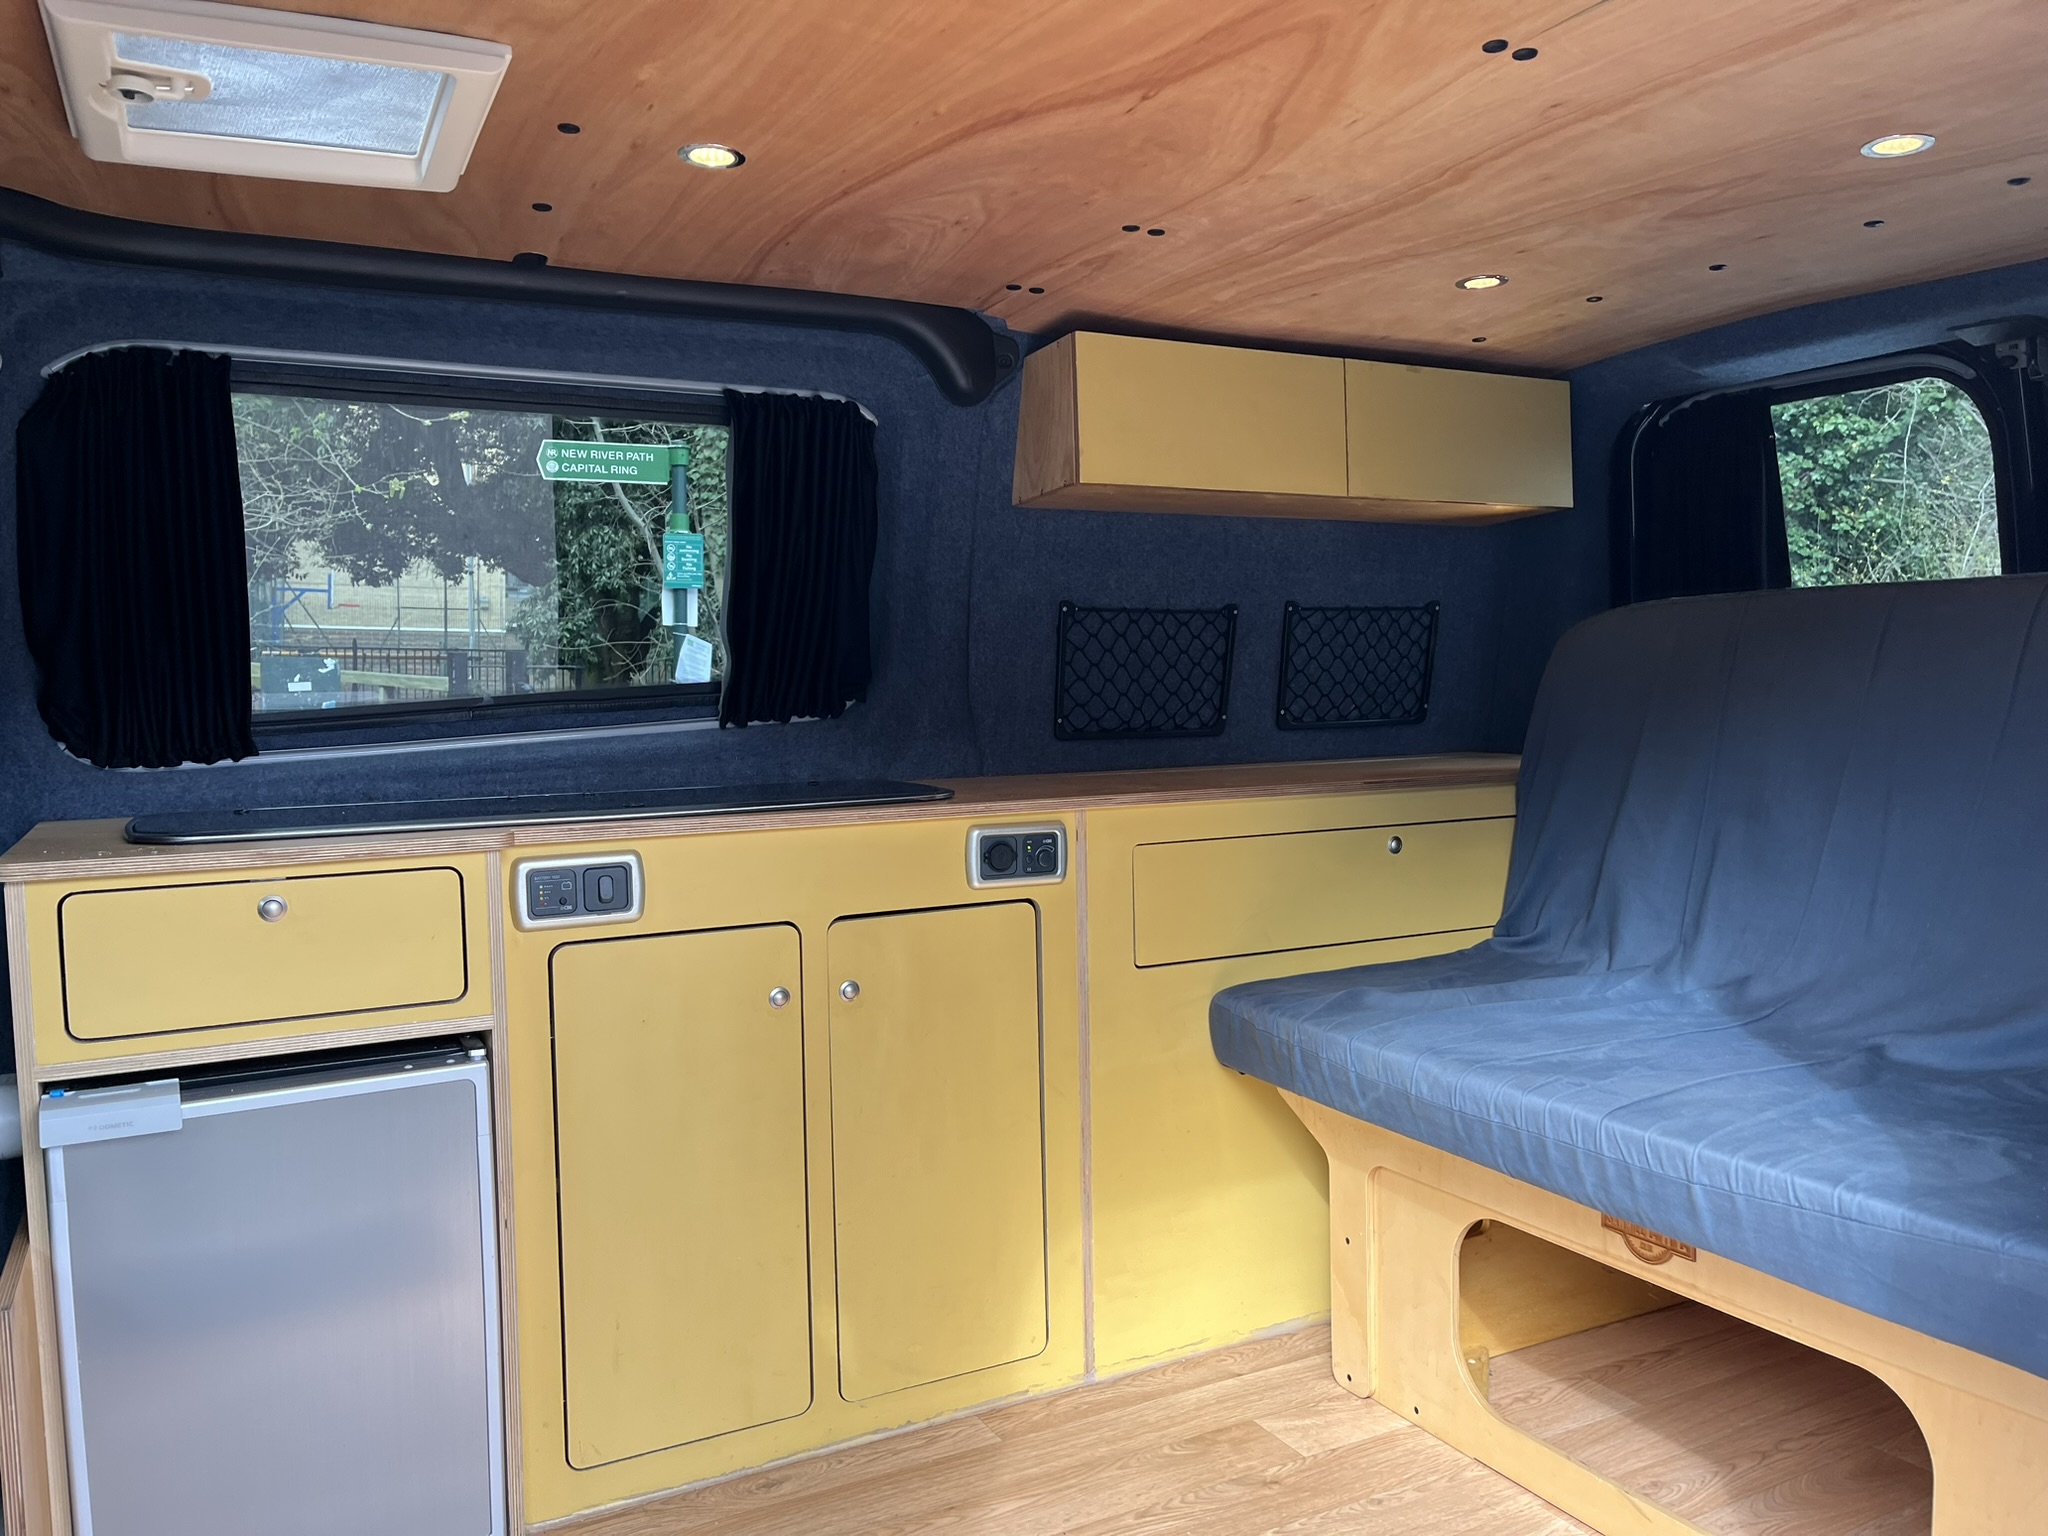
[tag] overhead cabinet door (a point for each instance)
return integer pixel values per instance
(680, 1140)
(1458, 439)
(938, 1170)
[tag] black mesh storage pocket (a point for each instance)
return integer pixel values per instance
(1355, 666)
(1130, 672)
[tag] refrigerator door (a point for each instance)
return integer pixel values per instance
(282, 1317)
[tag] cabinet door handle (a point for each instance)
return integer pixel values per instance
(849, 990)
(779, 998)
(272, 909)
(1393, 845)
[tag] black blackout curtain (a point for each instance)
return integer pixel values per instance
(801, 557)
(1700, 509)
(134, 586)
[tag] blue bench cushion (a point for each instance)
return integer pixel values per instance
(1772, 973)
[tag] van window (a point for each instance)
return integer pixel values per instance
(1894, 483)
(402, 554)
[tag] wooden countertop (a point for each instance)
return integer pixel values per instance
(68, 850)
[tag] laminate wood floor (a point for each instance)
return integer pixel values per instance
(1739, 1430)
(1252, 1440)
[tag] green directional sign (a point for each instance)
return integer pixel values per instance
(622, 463)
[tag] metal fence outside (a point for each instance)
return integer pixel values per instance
(396, 674)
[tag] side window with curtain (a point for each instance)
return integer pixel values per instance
(1894, 483)
(1918, 467)
(427, 554)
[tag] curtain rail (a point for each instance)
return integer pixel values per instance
(362, 363)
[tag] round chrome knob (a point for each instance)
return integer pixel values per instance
(849, 990)
(779, 998)
(272, 909)
(1393, 845)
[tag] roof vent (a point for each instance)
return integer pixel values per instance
(244, 92)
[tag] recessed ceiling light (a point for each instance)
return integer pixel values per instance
(713, 157)
(1894, 146)
(1482, 280)
(231, 89)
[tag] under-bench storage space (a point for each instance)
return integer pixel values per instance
(1216, 897)
(155, 960)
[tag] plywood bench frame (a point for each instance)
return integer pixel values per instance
(1399, 1214)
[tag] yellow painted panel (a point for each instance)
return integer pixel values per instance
(1448, 435)
(1209, 898)
(1205, 418)
(157, 959)
(1210, 1210)
(680, 1139)
(937, 1156)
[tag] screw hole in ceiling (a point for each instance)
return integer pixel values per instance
(1596, 298)
(1132, 229)
(543, 207)
(1494, 45)
(1523, 55)
(529, 259)
(1873, 223)
(1014, 287)
(2017, 181)
(1718, 266)
(1477, 339)
(1155, 232)
(568, 127)
(1034, 290)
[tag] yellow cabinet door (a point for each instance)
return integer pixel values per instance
(158, 959)
(1458, 438)
(1205, 418)
(680, 1141)
(938, 1166)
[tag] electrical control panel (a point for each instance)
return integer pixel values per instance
(557, 893)
(1016, 855)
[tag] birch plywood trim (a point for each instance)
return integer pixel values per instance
(24, 1459)
(1399, 1214)
(90, 850)
(1323, 170)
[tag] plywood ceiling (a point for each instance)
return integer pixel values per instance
(1324, 170)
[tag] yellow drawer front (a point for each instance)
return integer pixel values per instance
(162, 959)
(938, 1167)
(680, 1138)
(1218, 897)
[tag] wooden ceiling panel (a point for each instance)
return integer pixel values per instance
(1324, 169)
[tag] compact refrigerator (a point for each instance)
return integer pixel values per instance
(277, 1300)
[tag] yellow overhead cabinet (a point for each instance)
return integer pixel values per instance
(679, 1084)
(938, 1167)
(1134, 423)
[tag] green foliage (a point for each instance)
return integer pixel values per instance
(602, 612)
(1888, 484)
(375, 490)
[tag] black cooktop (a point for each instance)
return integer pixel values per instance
(265, 823)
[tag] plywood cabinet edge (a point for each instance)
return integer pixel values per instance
(1048, 426)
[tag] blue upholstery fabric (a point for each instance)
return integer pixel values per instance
(1772, 975)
